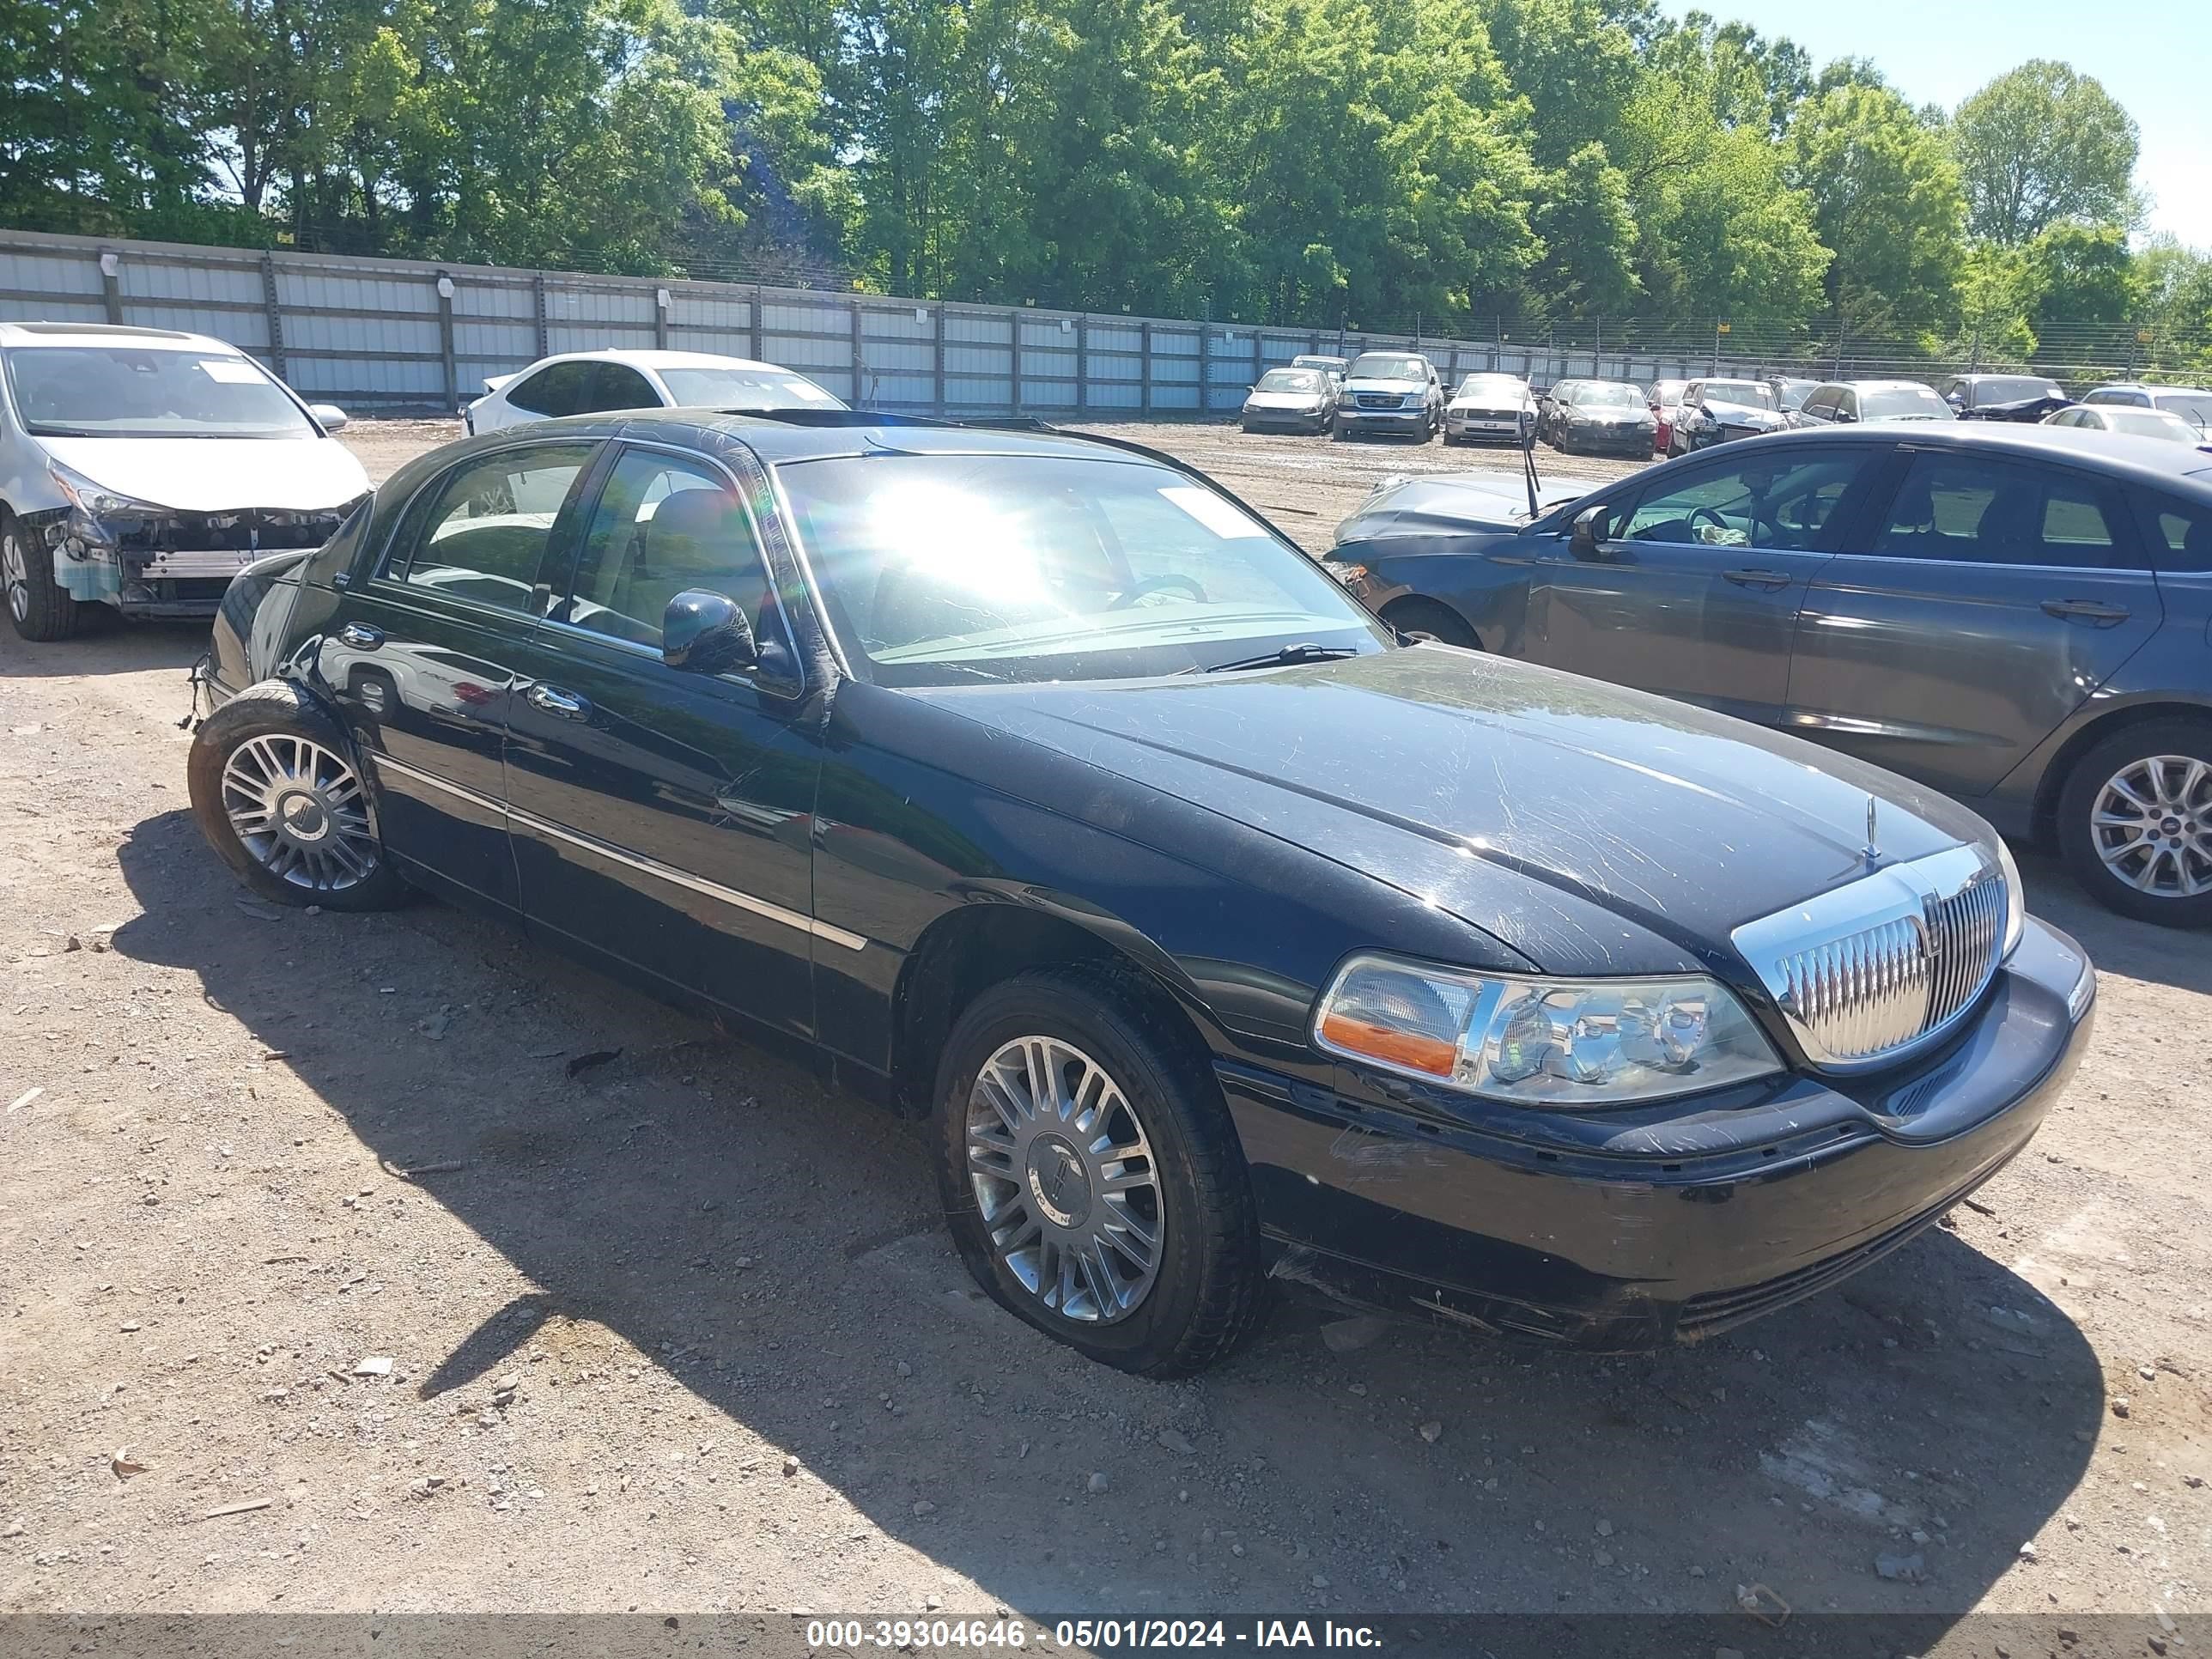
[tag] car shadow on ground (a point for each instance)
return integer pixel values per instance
(106, 643)
(2178, 956)
(773, 1245)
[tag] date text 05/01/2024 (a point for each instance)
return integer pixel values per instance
(1095, 1635)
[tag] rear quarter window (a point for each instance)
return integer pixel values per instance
(2180, 537)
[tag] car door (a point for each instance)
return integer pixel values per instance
(423, 649)
(662, 817)
(1695, 588)
(1993, 597)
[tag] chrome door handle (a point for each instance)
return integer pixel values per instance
(2087, 610)
(1758, 578)
(362, 636)
(564, 705)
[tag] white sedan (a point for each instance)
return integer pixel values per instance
(1489, 406)
(2135, 423)
(590, 382)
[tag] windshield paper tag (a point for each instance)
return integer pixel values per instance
(1216, 515)
(229, 373)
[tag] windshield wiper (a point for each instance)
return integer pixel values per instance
(1285, 656)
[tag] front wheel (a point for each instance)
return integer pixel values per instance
(276, 796)
(40, 609)
(2135, 822)
(1092, 1177)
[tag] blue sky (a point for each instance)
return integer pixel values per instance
(2154, 55)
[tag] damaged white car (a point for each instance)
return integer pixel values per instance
(142, 469)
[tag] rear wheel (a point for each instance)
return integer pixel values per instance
(1092, 1177)
(2135, 822)
(41, 610)
(276, 796)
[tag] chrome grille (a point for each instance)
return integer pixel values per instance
(1875, 968)
(1383, 400)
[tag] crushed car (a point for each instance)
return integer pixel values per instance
(142, 469)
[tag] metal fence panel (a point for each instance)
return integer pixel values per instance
(416, 335)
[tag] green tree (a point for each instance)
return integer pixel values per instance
(2083, 276)
(2039, 144)
(1886, 202)
(1588, 226)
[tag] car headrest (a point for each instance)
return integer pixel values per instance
(697, 530)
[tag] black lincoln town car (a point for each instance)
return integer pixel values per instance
(1033, 784)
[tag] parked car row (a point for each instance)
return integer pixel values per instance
(1033, 783)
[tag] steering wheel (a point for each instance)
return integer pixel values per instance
(1713, 513)
(1157, 585)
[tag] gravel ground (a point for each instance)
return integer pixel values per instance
(304, 1212)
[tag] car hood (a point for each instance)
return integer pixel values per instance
(1611, 414)
(1743, 414)
(210, 475)
(1367, 383)
(1580, 823)
(1449, 503)
(1482, 400)
(1285, 399)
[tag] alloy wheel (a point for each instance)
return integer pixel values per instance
(298, 811)
(17, 570)
(1065, 1180)
(2151, 824)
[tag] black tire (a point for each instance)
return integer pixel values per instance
(1209, 1289)
(1432, 617)
(2111, 758)
(1338, 432)
(280, 710)
(41, 611)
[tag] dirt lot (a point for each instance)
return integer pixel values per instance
(681, 1333)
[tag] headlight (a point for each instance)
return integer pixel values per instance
(95, 500)
(1556, 1043)
(2016, 900)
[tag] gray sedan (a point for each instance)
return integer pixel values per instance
(2006, 613)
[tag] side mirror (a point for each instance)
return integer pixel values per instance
(706, 634)
(329, 416)
(1582, 536)
(1527, 429)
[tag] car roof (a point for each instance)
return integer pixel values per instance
(2151, 386)
(1882, 385)
(650, 358)
(809, 435)
(2158, 462)
(114, 334)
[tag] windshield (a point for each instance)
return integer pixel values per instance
(2194, 407)
(2148, 423)
(1290, 380)
(1794, 392)
(2010, 389)
(124, 392)
(1492, 386)
(1384, 365)
(1751, 394)
(1667, 391)
(952, 570)
(1897, 400)
(744, 388)
(1602, 394)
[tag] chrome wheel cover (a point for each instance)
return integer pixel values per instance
(2152, 825)
(17, 569)
(299, 810)
(1065, 1180)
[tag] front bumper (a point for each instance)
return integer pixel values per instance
(1689, 1219)
(1611, 439)
(1300, 420)
(1382, 420)
(1504, 427)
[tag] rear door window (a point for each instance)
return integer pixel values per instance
(1965, 509)
(2181, 537)
(553, 391)
(616, 386)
